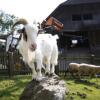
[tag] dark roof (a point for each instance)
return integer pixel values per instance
(70, 3)
(77, 2)
(85, 25)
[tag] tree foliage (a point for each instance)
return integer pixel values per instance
(6, 21)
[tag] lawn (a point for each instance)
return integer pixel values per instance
(11, 88)
(85, 89)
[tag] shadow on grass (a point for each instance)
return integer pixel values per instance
(88, 83)
(85, 81)
(15, 88)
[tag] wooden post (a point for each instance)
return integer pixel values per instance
(10, 64)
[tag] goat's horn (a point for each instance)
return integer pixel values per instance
(20, 21)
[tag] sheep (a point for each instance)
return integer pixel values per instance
(73, 68)
(86, 69)
(83, 69)
(39, 48)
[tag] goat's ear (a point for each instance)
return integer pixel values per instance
(24, 34)
(22, 31)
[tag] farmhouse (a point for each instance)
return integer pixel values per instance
(80, 35)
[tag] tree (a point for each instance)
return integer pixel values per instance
(6, 21)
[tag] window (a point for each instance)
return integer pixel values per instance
(76, 17)
(87, 17)
(79, 17)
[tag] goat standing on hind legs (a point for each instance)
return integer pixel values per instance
(36, 47)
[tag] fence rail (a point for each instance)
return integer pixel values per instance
(3, 63)
(63, 62)
(12, 63)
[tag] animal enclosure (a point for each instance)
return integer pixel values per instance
(12, 64)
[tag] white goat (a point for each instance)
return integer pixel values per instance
(49, 50)
(41, 49)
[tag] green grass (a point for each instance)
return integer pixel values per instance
(85, 89)
(11, 88)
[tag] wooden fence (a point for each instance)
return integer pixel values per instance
(63, 63)
(12, 63)
(3, 63)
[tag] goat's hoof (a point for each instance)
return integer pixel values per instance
(47, 74)
(52, 74)
(35, 80)
(38, 79)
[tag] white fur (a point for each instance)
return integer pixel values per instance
(45, 53)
